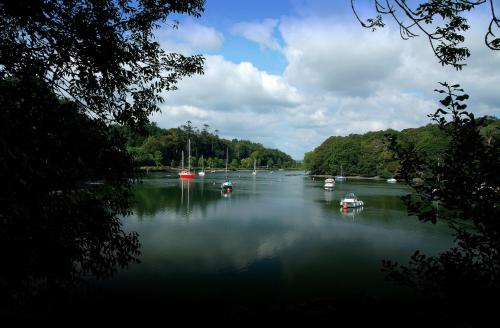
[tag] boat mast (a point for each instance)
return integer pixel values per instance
(227, 155)
(189, 154)
(182, 161)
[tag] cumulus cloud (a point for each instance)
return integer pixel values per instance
(190, 36)
(259, 32)
(226, 86)
(340, 79)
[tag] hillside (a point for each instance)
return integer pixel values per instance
(367, 154)
(164, 147)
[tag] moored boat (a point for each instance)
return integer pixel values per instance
(351, 200)
(329, 184)
(202, 172)
(227, 186)
(340, 177)
(186, 173)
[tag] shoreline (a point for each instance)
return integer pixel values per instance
(175, 169)
(351, 177)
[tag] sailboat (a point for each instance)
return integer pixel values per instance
(254, 172)
(227, 186)
(340, 177)
(187, 174)
(202, 172)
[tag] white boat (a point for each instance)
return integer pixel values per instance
(254, 169)
(340, 177)
(202, 172)
(227, 185)
(329, 184)
(351, 200)
(392, 180)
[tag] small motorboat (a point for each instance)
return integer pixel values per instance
(391, 180)
(227, 186)
(350, 200)
(329, 184)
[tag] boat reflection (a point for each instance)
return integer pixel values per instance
(329, 197)
(225, 194)
(178, 196)
(186, 185)
(351, 212)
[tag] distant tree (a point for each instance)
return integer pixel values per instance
(247, 162)
(158, 158)
(443, 23)
(234, 164)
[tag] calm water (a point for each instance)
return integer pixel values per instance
(277, 236)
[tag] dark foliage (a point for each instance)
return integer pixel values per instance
(65, 181)
(68, 69)
(464, 190)
(102, 54)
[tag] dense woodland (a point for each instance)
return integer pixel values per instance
(368, 154)
(163, 147)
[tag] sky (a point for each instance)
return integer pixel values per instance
(291, 73)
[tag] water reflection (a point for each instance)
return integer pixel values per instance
(284, 226)
(171, 195)
(351, 212)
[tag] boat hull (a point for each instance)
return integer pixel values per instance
(351, 203)
(329, 186)
(187, 175)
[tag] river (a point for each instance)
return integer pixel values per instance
(278, 236)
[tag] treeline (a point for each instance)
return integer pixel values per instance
(367, 154)
(164, 147)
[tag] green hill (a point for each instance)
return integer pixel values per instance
(367, 154)
(164, 147)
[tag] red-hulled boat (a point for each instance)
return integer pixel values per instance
(187, 174)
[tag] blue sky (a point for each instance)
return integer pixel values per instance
(291, 73)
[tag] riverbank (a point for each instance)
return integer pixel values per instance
(221, 169)
(351, 177)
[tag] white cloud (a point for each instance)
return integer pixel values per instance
(259, 32)
(189, 37)
(226, 86)
(340, 79)
(337, 58)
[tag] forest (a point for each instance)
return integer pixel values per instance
(368, 154)
(164, 147)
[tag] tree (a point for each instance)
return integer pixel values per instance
(442, 22)
(68, 69)
(247, 162)
(100, 54)
(158, 158)
(464, 188)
